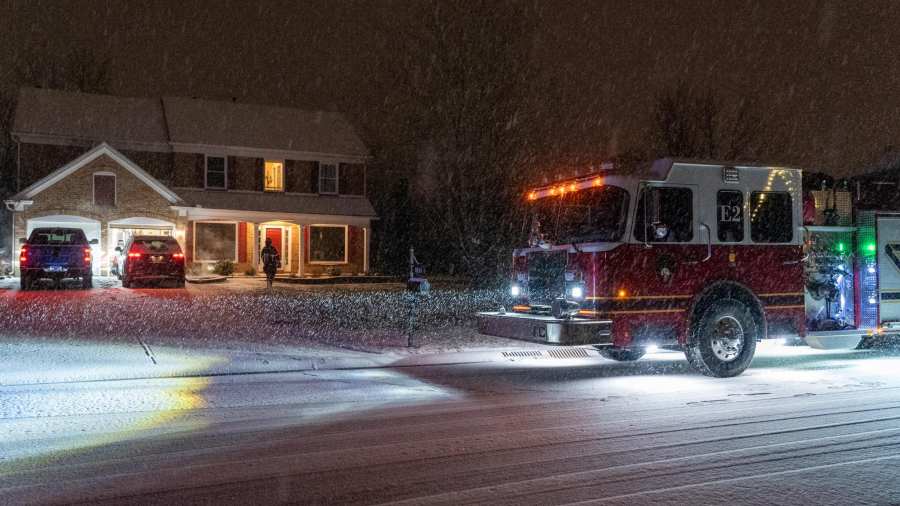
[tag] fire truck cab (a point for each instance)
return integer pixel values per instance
(704, 257)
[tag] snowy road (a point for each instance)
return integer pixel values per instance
(799, 427)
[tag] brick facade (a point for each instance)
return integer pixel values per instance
(73, 196)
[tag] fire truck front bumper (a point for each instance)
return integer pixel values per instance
(546, 329)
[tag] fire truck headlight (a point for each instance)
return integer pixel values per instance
(576, 292)
(515, 290)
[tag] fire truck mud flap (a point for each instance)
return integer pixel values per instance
(546, 329)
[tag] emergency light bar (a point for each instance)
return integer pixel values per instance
(563, 188)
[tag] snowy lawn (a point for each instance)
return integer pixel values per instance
(241, 314)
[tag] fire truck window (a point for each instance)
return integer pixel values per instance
(770, 217)
(665, 215)
(730, 216)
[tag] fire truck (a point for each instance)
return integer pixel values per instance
(704, 257)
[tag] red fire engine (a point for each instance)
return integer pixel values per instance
(704, 257)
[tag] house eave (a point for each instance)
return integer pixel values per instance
(207, 213)
(17, 205)
(279, 154)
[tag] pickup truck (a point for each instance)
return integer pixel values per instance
(56, 253)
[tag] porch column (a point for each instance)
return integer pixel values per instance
(366, 245)
(255, 245)
(300, 248)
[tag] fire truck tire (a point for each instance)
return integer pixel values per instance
(723, 339)
(622, 355)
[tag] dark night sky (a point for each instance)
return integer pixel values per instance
(826, 72)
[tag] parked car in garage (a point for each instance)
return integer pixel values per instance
(57, 254)
(151, 258)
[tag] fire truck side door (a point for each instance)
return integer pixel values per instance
(666, 222)
(889, 268)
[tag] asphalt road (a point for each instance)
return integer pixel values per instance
(799, 427)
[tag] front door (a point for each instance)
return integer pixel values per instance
(279, 240)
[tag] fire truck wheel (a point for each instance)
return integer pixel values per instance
(723, 339)
(622, 355)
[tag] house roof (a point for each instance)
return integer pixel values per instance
(215, 123)
(98, 151)
(85, 116)
(169, 121)
(277, 202)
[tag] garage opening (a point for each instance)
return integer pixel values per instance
(120, 231)
(90, 227)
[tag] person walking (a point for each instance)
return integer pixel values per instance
(271, 262)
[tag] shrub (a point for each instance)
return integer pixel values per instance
(224, 268)
(251, 271)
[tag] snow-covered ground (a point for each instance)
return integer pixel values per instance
(241, 314)
(799, 427)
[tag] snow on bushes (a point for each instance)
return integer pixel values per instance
(349, 318)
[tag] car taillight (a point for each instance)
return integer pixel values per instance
(134, 255)
(23, 256)
(178, 257)
(87, 255)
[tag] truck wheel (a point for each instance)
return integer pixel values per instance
(622, 355)
(24, 282)
(723, 339)
(87, 282)
(126, 283)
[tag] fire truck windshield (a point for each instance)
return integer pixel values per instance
(589, 215)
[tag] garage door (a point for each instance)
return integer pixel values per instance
(90, 227)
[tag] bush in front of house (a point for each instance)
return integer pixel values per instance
(224, 268)
(251, 271)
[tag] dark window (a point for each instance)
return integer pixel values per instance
(665, 215)
(216, 241)
(328, 178)
(730, 216)
(216, 167)
(44, 236)
(770, 217)
(160, 245)
(104, 190)
(327, 244)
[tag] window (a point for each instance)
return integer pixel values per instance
(215, 241)
(328, 244)
(105, 190)
(592, 214)
(328, 178)
(770, 217)
(216, 172)
(730, 216)
(664, 215)
(274, 176)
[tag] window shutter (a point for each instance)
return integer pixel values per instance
(290, 176)
(230, 173)
(259, 179)
(314, 184)
(199, 171)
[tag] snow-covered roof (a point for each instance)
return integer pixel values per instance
(182, 124)
(98, 151)
(212, 123)
(277, 202)
(88, 117)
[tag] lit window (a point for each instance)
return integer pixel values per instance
(216, 172)
(274, 175)
(327, 244)
(328, 178)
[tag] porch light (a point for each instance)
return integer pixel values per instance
(515, 290)
(621, 293)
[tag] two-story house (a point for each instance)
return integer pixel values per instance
(218, 176)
